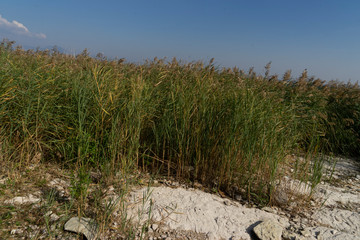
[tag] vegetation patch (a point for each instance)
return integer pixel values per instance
(230, 130)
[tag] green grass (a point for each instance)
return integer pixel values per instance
(234, 129)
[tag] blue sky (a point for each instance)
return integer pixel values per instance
(322, 36)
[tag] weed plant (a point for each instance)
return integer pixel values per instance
(222, 127)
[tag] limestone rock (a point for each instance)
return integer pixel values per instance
(23, 200)
(85, 226)
(289, 188)
(268, 230)
(331, 234)
(53, 217)
(339, 219)
(197, 211)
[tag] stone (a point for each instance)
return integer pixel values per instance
(288, 188)
(227, 202)
(23, 200)
(85, 226)
(330, 234)
(34, 227)
(339, 219)
(95, 176)
(52, 216)
(58, 183)
(154, 227)
(3, 181)
(269, 209)
(306, 233)
(268, 230)
(288, 235)
(16, 231)
(111, 189)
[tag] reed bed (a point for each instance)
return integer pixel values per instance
(225, 128)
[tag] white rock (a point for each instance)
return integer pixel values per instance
(340, 220)
(59, 184)
(154, 226)
(268, 230)
(306, 233)
(288, 188)
(329, 234)
(269, 209)
(52, 216)
(2, 181)
(195, 210)
(86, 226)
(23, 200)
(288, 235)
(16, 231)
(34, 227)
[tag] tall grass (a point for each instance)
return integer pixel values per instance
(223, 127)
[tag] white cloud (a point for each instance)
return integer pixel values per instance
(15, 27)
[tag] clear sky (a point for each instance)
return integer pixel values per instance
(322, 36)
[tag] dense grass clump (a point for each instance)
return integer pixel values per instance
(223, 127)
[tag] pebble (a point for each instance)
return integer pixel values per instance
(306, 233)
(16, 231)
(111, 189)
(269, 209)
(154, 226)
(227, 202)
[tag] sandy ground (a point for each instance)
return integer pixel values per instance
(219, 218)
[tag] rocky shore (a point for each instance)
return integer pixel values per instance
(334, 211)
(170, 210)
